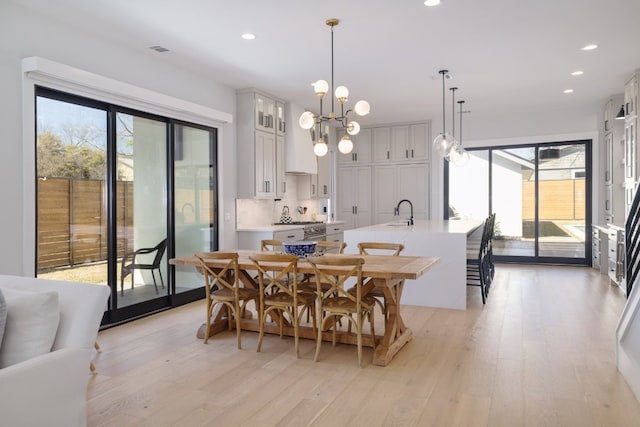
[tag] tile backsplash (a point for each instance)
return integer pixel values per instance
(264, 212)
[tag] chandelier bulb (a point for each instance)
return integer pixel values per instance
(362, 108)
(345, 145)
(443, 144)
(342, 93)
(321, 87)
(307, 120)
(320, 148)
(353, 128)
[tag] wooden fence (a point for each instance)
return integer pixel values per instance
(558, 200)
(72, 221)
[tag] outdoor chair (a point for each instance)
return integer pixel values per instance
(130, 263)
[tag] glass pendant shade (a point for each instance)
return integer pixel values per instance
(353, 128)
(362, 108)
(320, 148)
(459, 156)
(306, 120)
(345, 145)
(442, 144)
(321, 87)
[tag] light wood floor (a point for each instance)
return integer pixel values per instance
(540, 353)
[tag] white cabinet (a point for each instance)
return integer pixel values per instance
(260, 146)
(355, 196)
(616, 259)
(335, 232)
(393, 183)
(324, 177)
(631, 96)
(265, 111)
(265, 164)
(381, 144)
(402, 143)
(307, 187)
(617, 162)
(361, 152)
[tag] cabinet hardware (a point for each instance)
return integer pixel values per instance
(412, 153)
(387, 154)
(356, 210)
(325, 190)
(284, 187)
(313, 189)
(291, 236)
(406, 154)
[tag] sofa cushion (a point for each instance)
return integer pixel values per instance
(31, 325)
(3, 316)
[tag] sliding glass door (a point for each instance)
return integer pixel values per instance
(540, 194)
(119, 193)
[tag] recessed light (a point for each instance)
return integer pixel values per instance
(568, 91)
(431, 2)
(590, 47)
(248, 36)
(577, 73)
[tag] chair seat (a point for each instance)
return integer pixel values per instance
(344, 305)
(281, 299)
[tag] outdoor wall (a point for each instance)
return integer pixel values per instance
(26, 33)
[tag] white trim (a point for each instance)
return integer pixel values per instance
(628, 364)
(80, 82)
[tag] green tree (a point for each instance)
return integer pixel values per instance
(59, 160)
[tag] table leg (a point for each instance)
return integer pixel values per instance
(396, 334)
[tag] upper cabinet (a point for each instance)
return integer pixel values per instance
(261, 132)
(631, 97)
(265, 112)
(403, 143)
(361, 152)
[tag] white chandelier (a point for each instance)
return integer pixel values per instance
(308, 120)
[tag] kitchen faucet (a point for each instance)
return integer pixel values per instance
(397, 210)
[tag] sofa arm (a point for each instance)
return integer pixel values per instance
(48, 390)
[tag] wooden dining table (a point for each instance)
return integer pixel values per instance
(386, 272)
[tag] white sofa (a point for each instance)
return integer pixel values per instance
(51, 389)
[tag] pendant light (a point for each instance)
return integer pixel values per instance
(459, 156)
(443, 143)
(309, 120)
(453, 122)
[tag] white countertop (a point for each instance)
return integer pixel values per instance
(272, 228)
(426, 226)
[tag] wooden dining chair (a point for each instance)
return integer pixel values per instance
(379, 248)
(223, 287)
(271, 245)
(277, 297)
(336, 302)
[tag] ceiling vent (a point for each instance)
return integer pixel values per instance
(159, 49)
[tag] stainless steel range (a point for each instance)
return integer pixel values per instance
(313, 230)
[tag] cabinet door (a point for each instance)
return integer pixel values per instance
(281, 183)
(631, 97)
(363, 196)
(361, 152)
(265, 164)
(385, 200)
(419, 140)
(265, 113)
(630, 150)
(608, 166)
(400, 143)
(381, 144)
(281, 127)
(413, 184)
(346, 196)
(324, 177)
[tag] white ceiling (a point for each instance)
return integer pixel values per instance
(506, 56)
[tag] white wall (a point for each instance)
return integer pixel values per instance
(24, 34)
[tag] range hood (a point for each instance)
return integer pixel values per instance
(299, 156)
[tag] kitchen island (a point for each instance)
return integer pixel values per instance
(445, 285)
